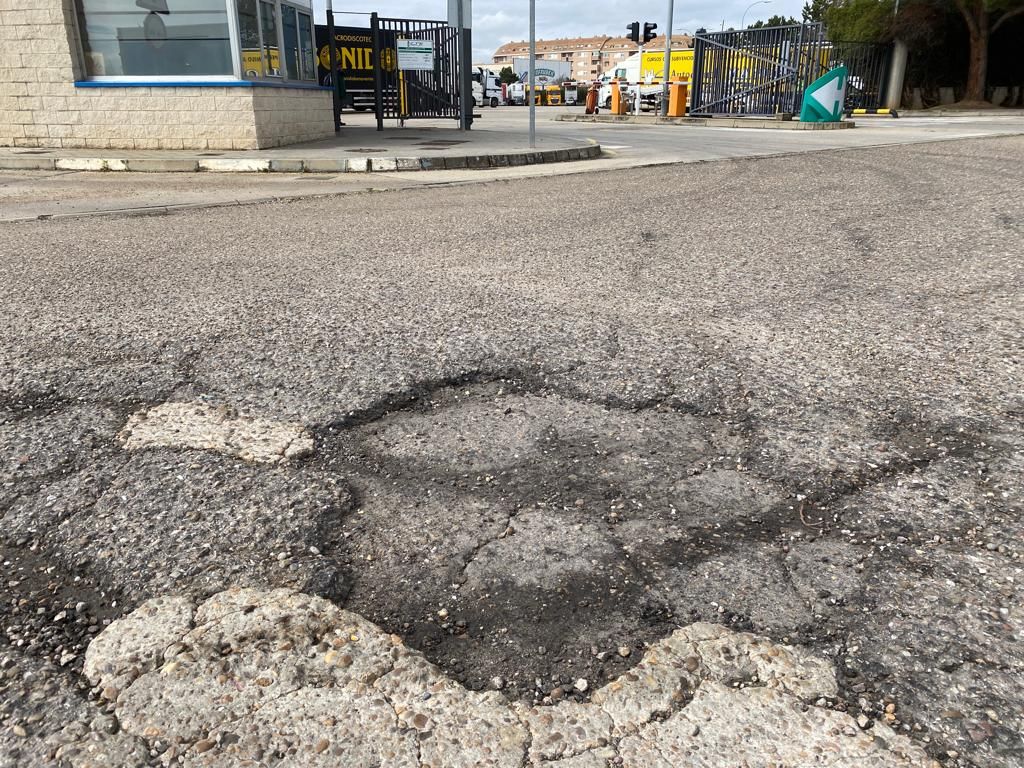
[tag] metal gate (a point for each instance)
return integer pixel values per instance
(413, 93)
(755, 71)
(868, 66)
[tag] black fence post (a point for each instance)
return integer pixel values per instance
(378, 74)
(332, 48)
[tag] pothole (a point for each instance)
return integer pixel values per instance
(522, 538)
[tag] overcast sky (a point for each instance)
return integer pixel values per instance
(498, 21)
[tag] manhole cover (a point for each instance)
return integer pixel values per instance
(210, 154)
(440, 143)
(363, 149)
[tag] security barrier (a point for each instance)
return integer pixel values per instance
(879, 112)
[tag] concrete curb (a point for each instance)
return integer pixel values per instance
(294, 165)
(710, 122)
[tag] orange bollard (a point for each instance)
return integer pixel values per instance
(592, 101)
(677, 99)
(618, 103)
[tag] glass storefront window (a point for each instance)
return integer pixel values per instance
(184, 38)
(290, 26)
(249, 38)
(197, 39)
(271, 51)
(307, 52)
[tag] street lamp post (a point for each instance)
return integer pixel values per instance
(668, 59)
(532, 77)
(743, 18)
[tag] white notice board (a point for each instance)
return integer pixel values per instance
(415, 54)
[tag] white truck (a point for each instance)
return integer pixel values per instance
(487, 89)
(628, 71)
(646, 78)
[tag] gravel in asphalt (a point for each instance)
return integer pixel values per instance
(781, 395)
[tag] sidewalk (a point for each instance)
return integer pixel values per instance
(360, 148)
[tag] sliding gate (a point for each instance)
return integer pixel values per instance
(765, 71)
(431, 89)
(755, 71)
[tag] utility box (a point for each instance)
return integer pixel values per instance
(677, 93)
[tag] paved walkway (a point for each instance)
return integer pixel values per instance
(358, 148)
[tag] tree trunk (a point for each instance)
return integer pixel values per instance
(977, 72)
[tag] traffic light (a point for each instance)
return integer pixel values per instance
(634, 31)
(649, 28)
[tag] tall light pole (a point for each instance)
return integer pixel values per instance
(743, 18)
(533, 75)
(668, 59)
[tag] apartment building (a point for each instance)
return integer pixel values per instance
(590, 56)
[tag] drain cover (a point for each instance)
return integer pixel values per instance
(440, 143)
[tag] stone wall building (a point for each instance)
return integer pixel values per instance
(159, 74)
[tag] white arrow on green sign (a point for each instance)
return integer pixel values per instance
(825, 97)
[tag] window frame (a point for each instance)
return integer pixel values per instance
(235, 45)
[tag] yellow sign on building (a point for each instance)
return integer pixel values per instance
(252, 62)
(652, 65)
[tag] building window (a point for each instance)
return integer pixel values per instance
(197, 39)
(154, 38)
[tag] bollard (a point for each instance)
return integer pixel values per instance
(677, 99)
(618, 103)
(592, 101)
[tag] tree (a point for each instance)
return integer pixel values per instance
(868, 21)
(983, 18)
(814, 10)
(774, 21)
(506, 75)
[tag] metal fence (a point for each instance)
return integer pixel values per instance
(415, 93)
(868, 66)
(765, 71)
(755, 71)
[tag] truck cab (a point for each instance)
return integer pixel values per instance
(487, 88)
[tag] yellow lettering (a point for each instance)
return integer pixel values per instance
(348, 59)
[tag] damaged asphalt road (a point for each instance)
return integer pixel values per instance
(749, 393)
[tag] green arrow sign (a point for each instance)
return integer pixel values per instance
(824, 98)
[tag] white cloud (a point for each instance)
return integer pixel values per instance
(496, 22)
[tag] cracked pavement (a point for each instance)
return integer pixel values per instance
(751, 394)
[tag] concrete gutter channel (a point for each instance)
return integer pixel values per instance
(309, 164)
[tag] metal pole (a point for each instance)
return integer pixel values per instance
(378, 72)
(897, 74)
(532, 77)
(668, 59)
(466, 101)
(639, 78)
(333, 55)
(743, 18)
(897, 70)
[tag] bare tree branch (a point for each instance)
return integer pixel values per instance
(1007, 16)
